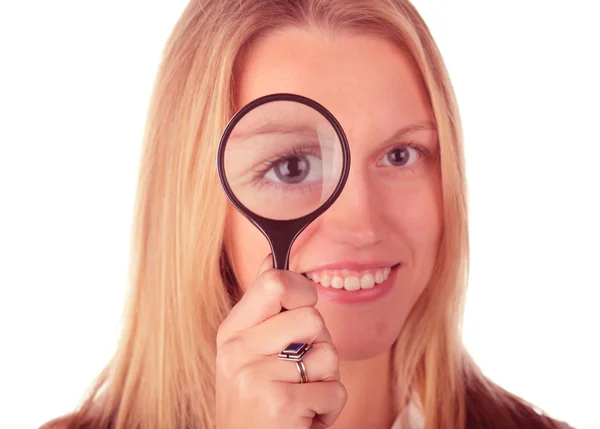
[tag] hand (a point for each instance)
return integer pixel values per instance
(254, 389)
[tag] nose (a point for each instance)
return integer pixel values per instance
(356, 217)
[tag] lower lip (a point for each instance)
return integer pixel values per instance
(343, 296)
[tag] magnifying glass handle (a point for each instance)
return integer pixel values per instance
(280, 257)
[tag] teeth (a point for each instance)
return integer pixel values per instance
(337, 282)
(351, 282)
(367, 281)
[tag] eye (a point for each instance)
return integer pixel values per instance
(401, 156)
(294, 169)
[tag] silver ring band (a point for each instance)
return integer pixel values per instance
(302, 371)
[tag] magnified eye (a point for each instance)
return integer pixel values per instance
(295, 169)
(401, 156)
(292, 170)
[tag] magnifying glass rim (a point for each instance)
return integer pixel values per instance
(283, 97)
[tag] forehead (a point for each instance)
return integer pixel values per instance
(368, 82)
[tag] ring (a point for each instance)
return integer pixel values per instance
(295, 352)
(302, 372)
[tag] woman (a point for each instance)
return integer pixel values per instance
(203, 329)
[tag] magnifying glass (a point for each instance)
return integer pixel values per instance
(283, 159)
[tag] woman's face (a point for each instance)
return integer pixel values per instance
(383, 231)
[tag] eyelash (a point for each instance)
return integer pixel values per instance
(411, 144)
(299, 150)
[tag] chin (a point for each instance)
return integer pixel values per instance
(360, 337)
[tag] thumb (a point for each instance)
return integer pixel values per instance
(266, 264)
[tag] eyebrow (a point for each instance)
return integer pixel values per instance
(402, 132)
(272, 128)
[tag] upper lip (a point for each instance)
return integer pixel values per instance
(352, 265)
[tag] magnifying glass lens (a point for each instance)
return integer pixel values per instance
(283, 160)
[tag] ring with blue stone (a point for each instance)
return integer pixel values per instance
(295, 352)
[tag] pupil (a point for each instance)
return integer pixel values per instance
(292, 170)
(398, 156)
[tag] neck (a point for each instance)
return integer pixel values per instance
(370, 401)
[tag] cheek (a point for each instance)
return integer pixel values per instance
(419, 221)
(248, 247)
(419, 217)
(423, 223)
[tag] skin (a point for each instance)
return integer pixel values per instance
(386, 212)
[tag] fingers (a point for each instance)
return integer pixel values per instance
(321, 363)
(301, 325)
(280, 404)
(266, 340)
(325, 402)
(270, 292)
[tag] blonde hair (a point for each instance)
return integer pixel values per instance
(163, 373)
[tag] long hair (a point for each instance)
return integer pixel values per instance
(181, 288)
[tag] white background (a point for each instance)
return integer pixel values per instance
(75, 78)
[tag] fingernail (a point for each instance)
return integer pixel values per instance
(267, 264)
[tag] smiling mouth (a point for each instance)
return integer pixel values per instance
(350, 280)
